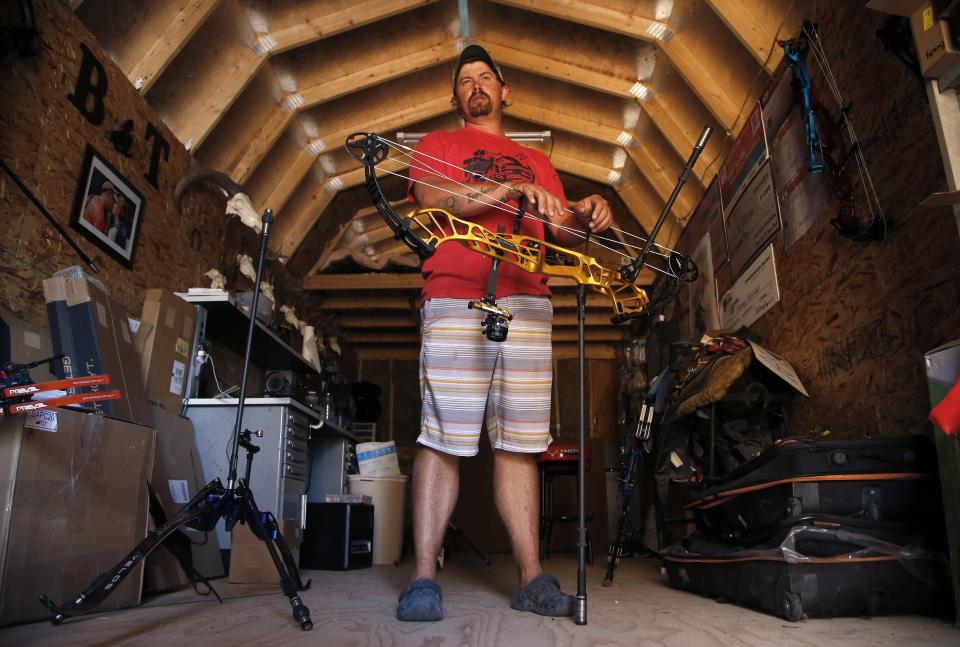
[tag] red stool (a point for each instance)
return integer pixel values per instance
(559, 460)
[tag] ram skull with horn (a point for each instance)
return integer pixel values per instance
(238, 202)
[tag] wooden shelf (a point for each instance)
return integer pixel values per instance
(228, 323)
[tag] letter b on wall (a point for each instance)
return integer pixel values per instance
(91, 88)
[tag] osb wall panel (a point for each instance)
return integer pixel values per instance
(43, 137)
(855, 318)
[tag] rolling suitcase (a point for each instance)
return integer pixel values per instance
(814, 572)
(890, 480)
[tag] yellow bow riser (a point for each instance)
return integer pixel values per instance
(436, 226)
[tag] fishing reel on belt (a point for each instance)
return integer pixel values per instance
(497, 322)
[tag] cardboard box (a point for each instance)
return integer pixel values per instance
(937, 47)
(165, 344)
(61, 337)
(103, 344)
(250, 562)
(73, 503)
(177, 477)
(23, 343)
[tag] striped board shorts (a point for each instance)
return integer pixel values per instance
(466, 378)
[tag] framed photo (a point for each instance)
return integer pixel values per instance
(107, 208)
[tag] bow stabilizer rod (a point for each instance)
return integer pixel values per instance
(687, 269)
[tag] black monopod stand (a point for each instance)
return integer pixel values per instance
(580, 616)
(233, 504)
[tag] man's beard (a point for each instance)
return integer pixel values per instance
(478, 108)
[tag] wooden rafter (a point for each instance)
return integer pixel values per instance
(183, 25)
(389, 121)
(655, 107)
(195, 125)
(329, 249)
(368, 77)
(594, 15)
(302, 222)
(576, 166)
(564, 121)
(315, 95)
(677, 132)
(642, 202)
(639, 199)
(290, 229)
(755, 24)
(663, 176)
(725, 108)
(354, 15)
(266, 136)
(376, 233)
(566, 72)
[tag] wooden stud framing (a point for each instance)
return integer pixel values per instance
(754, 23)
(182, 27)
(594, 15)
(200, 121)
(390, 121)
(267, 135)
(391, 69)
(335, 22)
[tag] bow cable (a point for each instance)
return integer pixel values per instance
(403, 150)
(504, 206)
(498, 204)
(820, 56)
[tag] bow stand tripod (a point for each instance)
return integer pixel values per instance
(233, 503)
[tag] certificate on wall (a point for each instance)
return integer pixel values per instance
(755, 292)
(802, 195)
(704, 310)
(747, 154)
(752, 220)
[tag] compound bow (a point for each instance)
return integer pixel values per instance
(423, 230)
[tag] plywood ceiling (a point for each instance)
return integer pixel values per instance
(268, 90)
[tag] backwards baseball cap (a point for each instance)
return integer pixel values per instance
(473, 53)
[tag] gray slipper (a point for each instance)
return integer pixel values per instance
(543, 596)
(421, 601)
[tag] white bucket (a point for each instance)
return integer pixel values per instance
(387, 493)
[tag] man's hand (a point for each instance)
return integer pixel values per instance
(539, 199)
(594, 211)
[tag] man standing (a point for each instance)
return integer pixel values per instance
(466, 379)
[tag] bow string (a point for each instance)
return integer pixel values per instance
(423, 230)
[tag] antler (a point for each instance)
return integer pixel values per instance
(238, 202)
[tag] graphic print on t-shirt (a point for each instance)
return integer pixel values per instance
(502, 168)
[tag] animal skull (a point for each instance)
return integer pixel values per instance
(238, 202)
(217, 280)
(246, 266)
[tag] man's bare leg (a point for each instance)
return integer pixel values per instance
(516, 489)
(436, 484)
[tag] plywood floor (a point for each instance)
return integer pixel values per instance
(356, 608)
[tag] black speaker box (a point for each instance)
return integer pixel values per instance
(338, 536)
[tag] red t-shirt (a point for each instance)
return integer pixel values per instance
(454, 271)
